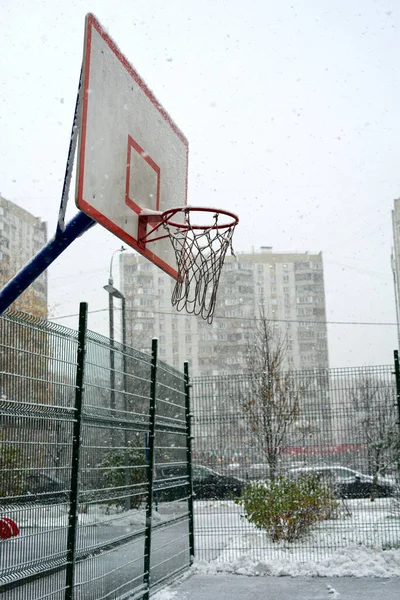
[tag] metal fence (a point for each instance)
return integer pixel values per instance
(327, 422)
(78, 443)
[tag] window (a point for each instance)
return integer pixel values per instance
(306, 311)
(304, 300)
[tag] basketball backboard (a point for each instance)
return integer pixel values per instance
(132, 156)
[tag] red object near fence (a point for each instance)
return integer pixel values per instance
(8, 528)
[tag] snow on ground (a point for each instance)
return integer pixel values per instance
(56, 516)
(223, 535)
(365, 564)
(353, 561)
(365, 542)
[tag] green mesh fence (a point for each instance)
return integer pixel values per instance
(340, 425)
(116, 517)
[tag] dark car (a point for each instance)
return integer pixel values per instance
(208, 484)
(172, 483)
(348, 483)
(33, 486)
(42, 487)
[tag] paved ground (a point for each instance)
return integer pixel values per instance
(239, 587)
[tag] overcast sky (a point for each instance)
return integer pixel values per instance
(291, 112)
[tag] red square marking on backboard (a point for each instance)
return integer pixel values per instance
(142, 179)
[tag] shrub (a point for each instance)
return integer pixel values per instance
(122, 468)
(286, 508)
(11, 461)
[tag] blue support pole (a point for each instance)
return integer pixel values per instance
(39, 263)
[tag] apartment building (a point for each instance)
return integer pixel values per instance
(396, 259)
(21, 236)
(289, 287)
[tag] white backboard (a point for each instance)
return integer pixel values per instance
(131, 154)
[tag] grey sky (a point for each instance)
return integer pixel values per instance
(291, 113)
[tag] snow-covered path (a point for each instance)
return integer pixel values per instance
(231, 587)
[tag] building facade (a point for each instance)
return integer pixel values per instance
(21, 236)
(396, 260)
(287, 287)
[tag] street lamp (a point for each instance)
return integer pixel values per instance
(114, 293)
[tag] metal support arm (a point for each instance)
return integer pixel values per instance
(39, 263)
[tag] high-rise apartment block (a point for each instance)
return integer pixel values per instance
(396, 260)
(287, 287)
(21, 236)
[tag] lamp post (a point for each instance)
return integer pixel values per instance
(114, 293)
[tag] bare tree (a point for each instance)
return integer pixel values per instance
(375, 402)
(272, 401)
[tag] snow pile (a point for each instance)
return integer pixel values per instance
(353, 561)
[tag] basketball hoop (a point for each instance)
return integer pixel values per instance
(199, 250)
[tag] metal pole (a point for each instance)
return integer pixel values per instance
(189, 438)
(39, 263)
(123, 320)
(112, 361)
(125, 391)
(76, 450)
(150, 470)
(111, 293)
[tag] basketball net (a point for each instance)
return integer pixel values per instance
(200, 253)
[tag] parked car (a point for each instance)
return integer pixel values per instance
(34, 486)
(172, 483)
(258, 471)
(348, 483)
(42, 487)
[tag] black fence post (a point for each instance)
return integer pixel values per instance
(150, 468)
(189, 458)
(73, 508)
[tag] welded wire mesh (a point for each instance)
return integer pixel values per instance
(341, 425)
(170, 550)
(38, 413)
(38, 368)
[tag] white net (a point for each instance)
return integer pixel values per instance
(200, 254)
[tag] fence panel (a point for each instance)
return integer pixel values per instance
(170, 551)
(246, 428)
(38, 370)
(38, 415)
